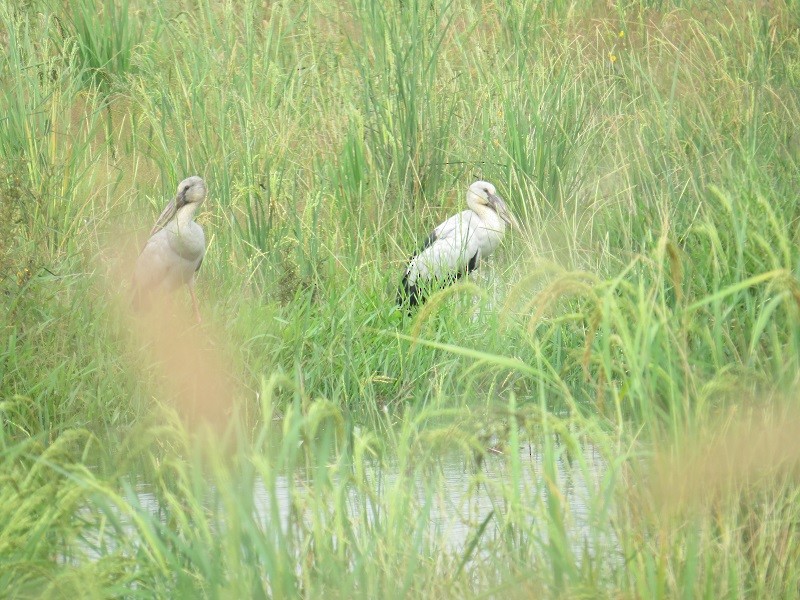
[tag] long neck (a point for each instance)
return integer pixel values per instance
(185, 214)
(491, 221)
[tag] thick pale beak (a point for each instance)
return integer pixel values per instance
(167, 214)
(502, 210)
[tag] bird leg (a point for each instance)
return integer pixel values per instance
(194, 304)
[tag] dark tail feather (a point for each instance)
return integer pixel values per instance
(412, 296)
(409, 295)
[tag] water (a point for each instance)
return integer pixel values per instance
(450, 495)
(460, 496)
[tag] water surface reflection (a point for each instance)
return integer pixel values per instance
(460, 496)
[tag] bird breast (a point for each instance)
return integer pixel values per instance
(491, 228)
(483, 232)
(186, 240)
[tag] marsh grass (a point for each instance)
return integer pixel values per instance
(645, 314)
(103, 37)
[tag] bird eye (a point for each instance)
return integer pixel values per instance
(186, 189)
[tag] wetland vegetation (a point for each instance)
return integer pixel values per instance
(617, 387)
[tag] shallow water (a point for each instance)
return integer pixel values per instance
(453, 493)
(462, 496)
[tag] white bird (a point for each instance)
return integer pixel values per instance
(457, 246)
(175, 250)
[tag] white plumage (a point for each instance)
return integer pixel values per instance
(175, 250)
(457, 246)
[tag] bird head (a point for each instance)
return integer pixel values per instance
(191, 190)
(483, 193)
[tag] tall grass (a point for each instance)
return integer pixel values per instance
(583, 381)
(103, 38)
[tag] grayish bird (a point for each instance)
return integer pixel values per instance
(457, 246)
(175, 250)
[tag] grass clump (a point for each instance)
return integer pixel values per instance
(104, 37)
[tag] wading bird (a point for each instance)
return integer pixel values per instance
(174, 252)
(457, 246)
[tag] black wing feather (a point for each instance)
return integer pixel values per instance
(428, 241)
(415, 296)
(411, 293)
